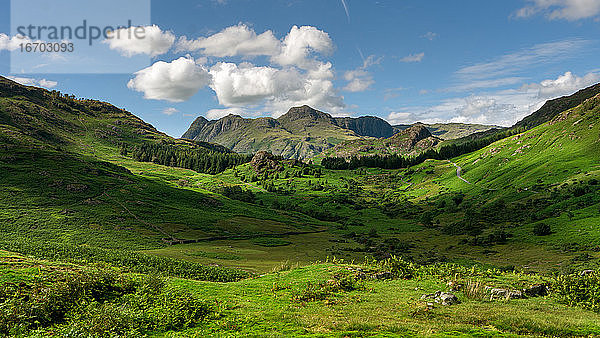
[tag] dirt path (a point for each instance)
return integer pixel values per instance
(459, 171)
(459, 175)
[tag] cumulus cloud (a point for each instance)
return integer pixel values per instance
(565, 84)
(278, 89)
(175, 81)
(149, 40)
(233, 41)
(294, 75)
(413, 58)
(297, 48)
(561, 9)
(300, 43)
(13, 43)
(170, 111)
(27, 81)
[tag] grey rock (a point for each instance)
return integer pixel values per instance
(443, 298)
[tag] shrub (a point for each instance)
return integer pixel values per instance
(542, 229)
(399, 267)
(578, 290)
(97, 303)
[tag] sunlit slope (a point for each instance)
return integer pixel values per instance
(567, 147)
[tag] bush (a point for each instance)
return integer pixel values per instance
(399, 267)
(576, 290)
(542, 229)
(97, 303)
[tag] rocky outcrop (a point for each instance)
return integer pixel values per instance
(444, 298)
(265, 161)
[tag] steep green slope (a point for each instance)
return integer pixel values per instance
(65, 181)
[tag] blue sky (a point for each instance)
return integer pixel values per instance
(489, 62)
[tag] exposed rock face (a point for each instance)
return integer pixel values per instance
(265, 161)
(367, 126)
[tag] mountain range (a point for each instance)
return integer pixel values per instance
(304, 132)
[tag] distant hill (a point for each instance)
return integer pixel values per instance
(451, 131)
(554, 107)
(304, 132)
(410, 141)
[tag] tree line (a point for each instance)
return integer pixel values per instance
(445, 152)
(195, 158)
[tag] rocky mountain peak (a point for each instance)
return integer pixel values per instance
(305, 112)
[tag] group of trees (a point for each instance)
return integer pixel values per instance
(445, 152)
(195, 158)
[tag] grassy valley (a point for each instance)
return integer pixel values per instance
(111, 228)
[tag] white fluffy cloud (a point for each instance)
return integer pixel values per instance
(561, 9)
(10, 43)
(233, 41)
(215, 114)
(278, 89)
(27, 81)
(300, 43)
(294, 74)
(413, 57)
(175, 81)
(149, 40)
(297, 48)
(563, 85)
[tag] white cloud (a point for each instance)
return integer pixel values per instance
(13, 43)
(295, 75)
(297, 48)
(512, 63)
(395, 118)
(149, 40)
(170, 111)
(175, 81)
(26, 81)
(563, 85)
(10, 43)
(300, 43)
(561, 9)
(233, 41)
(215, 114)
(413, 58)
(360, 79)
(278, 89)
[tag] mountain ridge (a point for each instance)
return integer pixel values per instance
(301, 133)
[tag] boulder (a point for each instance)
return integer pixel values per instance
(536, 290)
(496, 293)
(443, 298)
